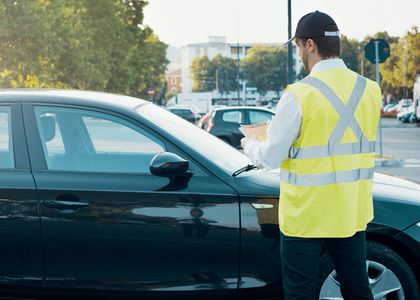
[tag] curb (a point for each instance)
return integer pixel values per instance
(389, 162)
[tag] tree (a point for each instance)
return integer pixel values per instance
(349, 53)
(279, 71)
(226, 73)
(80, 44)
(204, 80)
(400, 70)
(205, 72)
(266, 68)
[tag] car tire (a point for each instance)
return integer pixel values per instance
(389, 275)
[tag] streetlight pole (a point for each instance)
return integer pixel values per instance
(289, 47)
(378, 81)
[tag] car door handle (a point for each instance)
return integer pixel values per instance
(65, 206)
(262, 206)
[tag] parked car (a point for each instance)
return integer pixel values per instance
(191, 114)
(203, 120)
(111, 197)
(390, 107)
(415, 117)
(405, 115)
(225, 122)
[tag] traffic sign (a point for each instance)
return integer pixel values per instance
(151, 92)
(383, 50)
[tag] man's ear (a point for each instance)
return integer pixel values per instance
(311, 46)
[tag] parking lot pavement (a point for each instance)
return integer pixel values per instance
(401, 141)
(412, 174)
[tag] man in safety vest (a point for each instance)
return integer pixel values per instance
(323, 138)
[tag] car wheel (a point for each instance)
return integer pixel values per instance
(389, 275)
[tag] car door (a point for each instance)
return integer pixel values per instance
(21, 271)
(108, 224)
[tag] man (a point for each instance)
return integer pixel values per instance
(323, 138)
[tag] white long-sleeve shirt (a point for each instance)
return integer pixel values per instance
(284, 128)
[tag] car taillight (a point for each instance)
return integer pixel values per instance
(193, 115)
(210, 127)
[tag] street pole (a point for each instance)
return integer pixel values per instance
(237, 48)
(239, 85)
(289, 47)
(378, 81)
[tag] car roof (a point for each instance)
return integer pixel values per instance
(242, 107)
(80, 97)
(178, 107)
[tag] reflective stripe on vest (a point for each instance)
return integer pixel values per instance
(327, 178)
(346, 119)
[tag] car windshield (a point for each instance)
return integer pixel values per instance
(226, 156)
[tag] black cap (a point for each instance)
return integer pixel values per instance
(313, 25)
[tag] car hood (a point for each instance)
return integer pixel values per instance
(388, 182)
(387, 186)
(396, 201)
(258, 182)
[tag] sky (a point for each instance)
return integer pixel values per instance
(182, 22)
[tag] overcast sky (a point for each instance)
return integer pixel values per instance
(182, 22)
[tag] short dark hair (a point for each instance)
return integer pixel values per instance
(328, 46)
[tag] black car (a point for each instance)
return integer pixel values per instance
(106, 196)
(225, 122)
(186, 113)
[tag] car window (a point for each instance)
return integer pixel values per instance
(6, 144)
(256, 117)
(232, 116)
(81, 140)
(226, 157)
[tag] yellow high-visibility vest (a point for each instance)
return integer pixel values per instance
(326, 183)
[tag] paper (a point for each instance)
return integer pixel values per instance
(260, 130)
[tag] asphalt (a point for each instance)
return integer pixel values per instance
(400, 148)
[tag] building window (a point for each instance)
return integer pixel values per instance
(234, 50)
(173, 80)
(197, 51)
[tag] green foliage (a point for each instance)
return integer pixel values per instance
(204, 80)
(206, 72)
(80, 44)
(349, 53)
(398, 72)
(400, 69)
(266, 68)
(226, 71)
(170, 94)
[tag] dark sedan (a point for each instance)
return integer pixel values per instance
(106, 196)
(225, 122)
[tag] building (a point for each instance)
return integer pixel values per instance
(174, 81)
(215, 45)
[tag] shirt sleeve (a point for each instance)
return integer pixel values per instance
(282, 132)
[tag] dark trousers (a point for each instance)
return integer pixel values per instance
(300, 264)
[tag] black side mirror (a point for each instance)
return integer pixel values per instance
(168, 164)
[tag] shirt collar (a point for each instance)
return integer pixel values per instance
(328, 64)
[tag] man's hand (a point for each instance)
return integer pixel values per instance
(246, 140)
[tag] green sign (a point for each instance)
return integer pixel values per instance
(383, 51)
